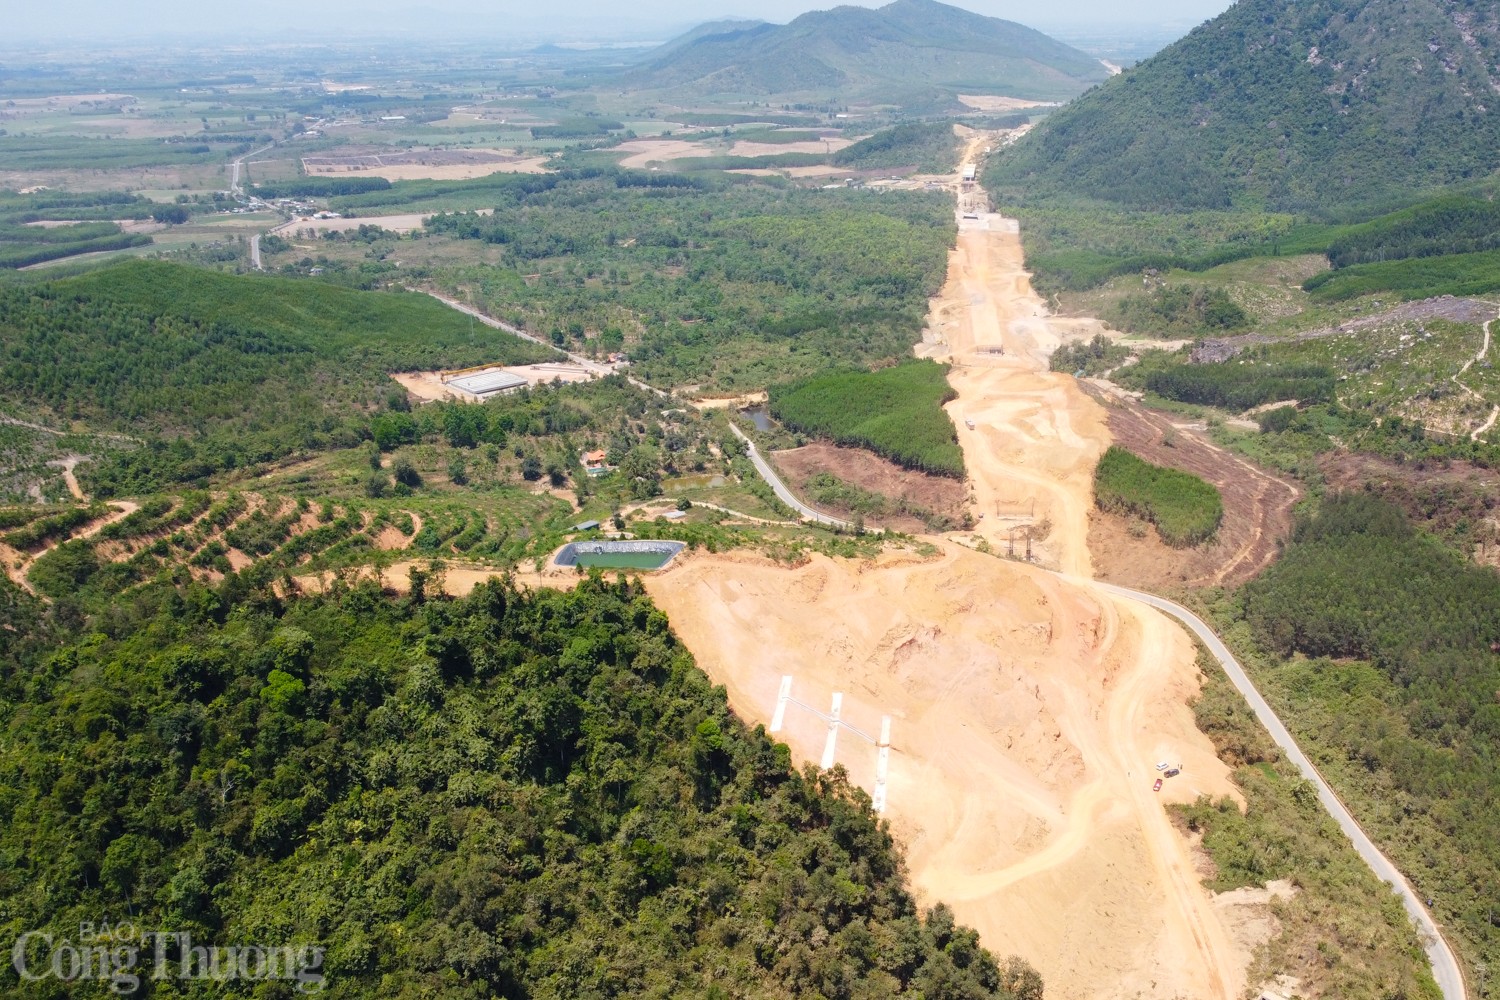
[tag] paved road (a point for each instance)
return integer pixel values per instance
(1445, 965)
(234, 170)
(255, 252)
(783, 494)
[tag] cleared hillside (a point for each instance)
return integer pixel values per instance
(1295, 106)
(907, 50)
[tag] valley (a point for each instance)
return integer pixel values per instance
(882, 505)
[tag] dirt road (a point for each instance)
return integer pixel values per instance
(782, 491)
(1445, 966)
(1025, 715)
(1025, 711)
(1035, 436)
(18, 564)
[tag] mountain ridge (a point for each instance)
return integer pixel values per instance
(905, 47)
(1284, 105)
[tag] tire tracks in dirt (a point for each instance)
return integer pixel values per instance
(1257, 503)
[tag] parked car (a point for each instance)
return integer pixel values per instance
(1156, 787)
(1171, 772)
(1162, 766)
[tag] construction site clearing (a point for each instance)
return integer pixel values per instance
(477, 384)
(1007, 717)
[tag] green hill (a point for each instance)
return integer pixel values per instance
(908, 50)
(520, 794)
(1307, 106)
(215, 371)
(930, 147)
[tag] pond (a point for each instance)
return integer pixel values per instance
(618, 555)
(759, 416)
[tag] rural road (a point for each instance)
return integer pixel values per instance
(1445, 967)
(783, 494)
(588, 364)
(255, 252)
(235, 188)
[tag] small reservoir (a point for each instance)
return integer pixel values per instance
(638, 554)
(759, 416)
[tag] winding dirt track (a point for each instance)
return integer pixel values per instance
(1026, 710)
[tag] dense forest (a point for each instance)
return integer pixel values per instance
(1394, 683)
(525, 795)
(1420, 278)
(1448, 225)
(1233, 385)
(931, 147)
(213, 372)
(1185, 509)
(1178, 310)
(735, 285)
(321, 187)
(896, 412)
(1280, 105)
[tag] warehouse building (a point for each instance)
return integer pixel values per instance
(486, 384)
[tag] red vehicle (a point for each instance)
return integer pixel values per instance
(1156, 787)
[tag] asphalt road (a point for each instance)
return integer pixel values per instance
(1445, 967)
(255, 252)
(783, 494)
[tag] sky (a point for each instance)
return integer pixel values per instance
(576, 20)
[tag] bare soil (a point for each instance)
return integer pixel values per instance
(1257, 508)
(427, 164)
(869, 471)
(986, 102)
(644, 152)
(395, 223)
(824, 171)
(1025, 711)
(1456, 310)
(1026, 708)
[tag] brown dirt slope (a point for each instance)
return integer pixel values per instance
(868, 471)
(1025, 714)
(1257, 508)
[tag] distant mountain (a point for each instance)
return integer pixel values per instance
(1287, 104)
(854, 53)
(728, 26)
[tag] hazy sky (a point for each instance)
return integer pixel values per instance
(468, 19)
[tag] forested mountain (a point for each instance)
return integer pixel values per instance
(905, 49)
(521, 795)
(1283, 104)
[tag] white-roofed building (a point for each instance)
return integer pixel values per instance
(489, 383)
